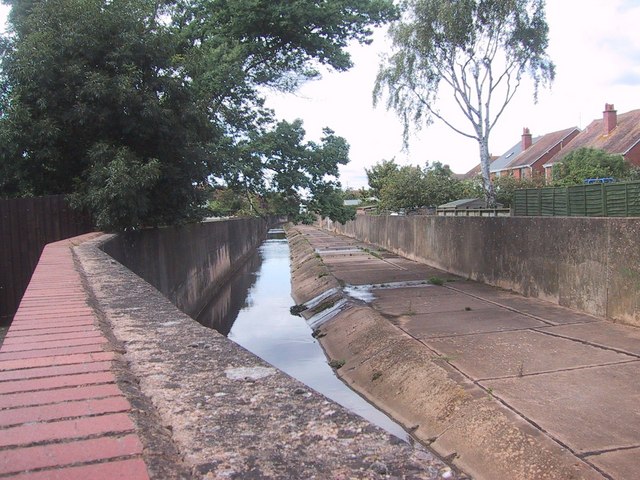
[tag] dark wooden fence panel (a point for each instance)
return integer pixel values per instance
(595, 200)
(26, 226)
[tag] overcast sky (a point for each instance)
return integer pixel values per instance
(595, 45)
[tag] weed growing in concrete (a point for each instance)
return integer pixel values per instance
(410, 311)
(297, 310)
(322, 274)
(318, 334)
(436, 281)
(337, 364)
(445, 358)
(372, 253)
(324, 305)
(376, 375)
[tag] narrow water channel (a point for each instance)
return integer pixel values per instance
(253, 311)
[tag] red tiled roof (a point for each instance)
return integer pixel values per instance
(470, 174)
(620, 140)
(545, 143)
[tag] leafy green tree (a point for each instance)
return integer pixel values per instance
(441, 186)
(404, 189)
(281, 164)
(329, 202)
(505, 185)
(169, 92)
(225, 202)
(365, 195)
(94, 109)
(479, 50)
(471, 187)
(351, 194)
(584, 163)
(379, 174)
(410, 188)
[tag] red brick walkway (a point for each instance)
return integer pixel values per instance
(62, 415)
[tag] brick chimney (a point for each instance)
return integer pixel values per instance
(526, 138)
(610, 118)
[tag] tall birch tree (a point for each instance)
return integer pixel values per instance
(478, 50)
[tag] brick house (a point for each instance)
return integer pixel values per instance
(497, 163)
(498, 166)
(534, 155)
(613, 133)
(529, 155)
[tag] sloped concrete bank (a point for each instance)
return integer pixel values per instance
(229, 414)
(456, 418)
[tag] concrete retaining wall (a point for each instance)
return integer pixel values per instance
(588, 264)
(188, 263)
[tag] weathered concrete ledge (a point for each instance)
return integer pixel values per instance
(444, 410)
(230, 414)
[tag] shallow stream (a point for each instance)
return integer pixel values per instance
(253, 311)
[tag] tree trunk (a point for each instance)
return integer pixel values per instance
(487, 184)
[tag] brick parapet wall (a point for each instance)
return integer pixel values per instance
(62, 413)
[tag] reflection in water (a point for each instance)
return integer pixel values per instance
(263, 325)
(222, 310)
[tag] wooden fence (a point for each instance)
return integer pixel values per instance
(596, 200)
(474, 212)
(26, 226)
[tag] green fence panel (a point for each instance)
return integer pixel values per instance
(533, 201)
(617, 204)
(596, 200)
(633, 199)
(547, 202)
(520, 203)
(577, 201)
(561, 201)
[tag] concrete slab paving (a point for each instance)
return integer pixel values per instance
(570, 376)
(553, 313)
(365, 268)
(426, 303)
(525, 352)
(433, 325)
(364, 276)
(589, 410)
(475, 288)
(409, 291)
(618, 463)
(620, 337)
(357, 259)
